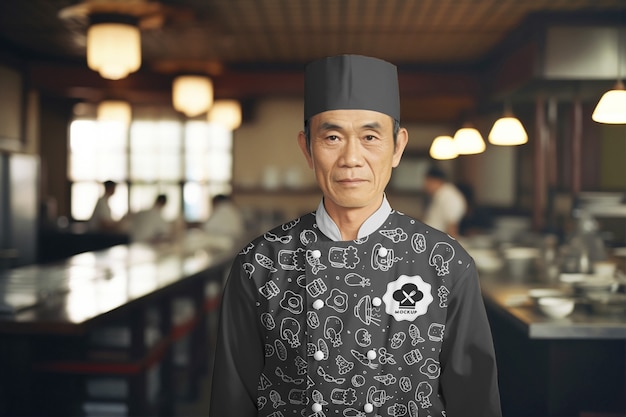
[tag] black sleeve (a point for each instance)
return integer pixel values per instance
(239, 355)
(469, 382)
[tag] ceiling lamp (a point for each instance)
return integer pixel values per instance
(443, 147)
(192, 94)
(226, 112)
(508, 130)
(114, 111)
(611, 108)
(113, 45)
(468, 141)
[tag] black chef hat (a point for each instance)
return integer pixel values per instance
(345, 82)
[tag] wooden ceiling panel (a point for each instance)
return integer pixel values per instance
(230, 36)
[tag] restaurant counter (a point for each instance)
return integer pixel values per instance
(121, 331)
(562, 367)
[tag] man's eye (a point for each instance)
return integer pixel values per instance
(332, 137)
(370, 138)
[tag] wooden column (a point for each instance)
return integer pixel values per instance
(539, 165)
(577, 139)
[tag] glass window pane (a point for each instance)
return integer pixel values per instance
(195, 202)
(84, 196)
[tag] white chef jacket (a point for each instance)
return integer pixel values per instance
(447, 207)
(148, 225)
(101, 212)
(389, 324)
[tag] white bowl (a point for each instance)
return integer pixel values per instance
(556, 307)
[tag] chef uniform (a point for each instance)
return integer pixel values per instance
(390, 324)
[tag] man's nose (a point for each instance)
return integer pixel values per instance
(352, 154)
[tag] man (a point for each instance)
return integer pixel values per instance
(101, 219)
(149, 225)
(355, 309)
(447, 205)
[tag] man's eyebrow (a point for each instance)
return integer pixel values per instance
(329, 126)
(332, 126)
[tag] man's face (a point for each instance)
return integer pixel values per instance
(352, 154)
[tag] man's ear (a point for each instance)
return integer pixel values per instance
(305, 149)
(401, 140)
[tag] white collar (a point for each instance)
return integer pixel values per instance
(369, 226)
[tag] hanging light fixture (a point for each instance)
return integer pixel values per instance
(443, 147)
(226, 112)
(507, 130)
(192, 94)
(113, 45)
(114, 111)
(611, 108)
(468, 141)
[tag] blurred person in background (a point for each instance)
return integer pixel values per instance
(447, 204)
(101, 219)
(149, 225)
(226, 219)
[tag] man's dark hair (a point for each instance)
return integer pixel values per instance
(436, 172)
(161, 199)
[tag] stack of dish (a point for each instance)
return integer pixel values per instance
(600, 292)
(552, 302)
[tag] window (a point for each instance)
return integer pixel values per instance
(188, 161)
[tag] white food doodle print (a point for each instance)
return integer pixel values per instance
(289, 331)
(396, 235)
(383, 258)
(418, 243)
(443, 293)
(292, 302)
(292, 259)
(422, 394)
(343, 321)
(313, 259)
(344, 257)
(271, 237)
(355, 280)
(414, 334)
(332, 330)
(440, 258)
(366, 312)
(265, 262)
(337, 300)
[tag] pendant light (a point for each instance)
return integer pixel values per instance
(225, 112)
(508, 130)
(113, 45)
(114, 111)
(192, 94)
(611, 108)
(443, 147)
(468, 141)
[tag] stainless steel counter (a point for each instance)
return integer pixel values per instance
(511, 301)
(63, 296)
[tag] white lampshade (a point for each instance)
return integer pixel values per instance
(611, 108)
(192, 94)
(508, 131)
(113, 49)
(114, 111)
(226, 112)
(443, 147)
(468, 141)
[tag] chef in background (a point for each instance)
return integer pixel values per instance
(447, 205)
